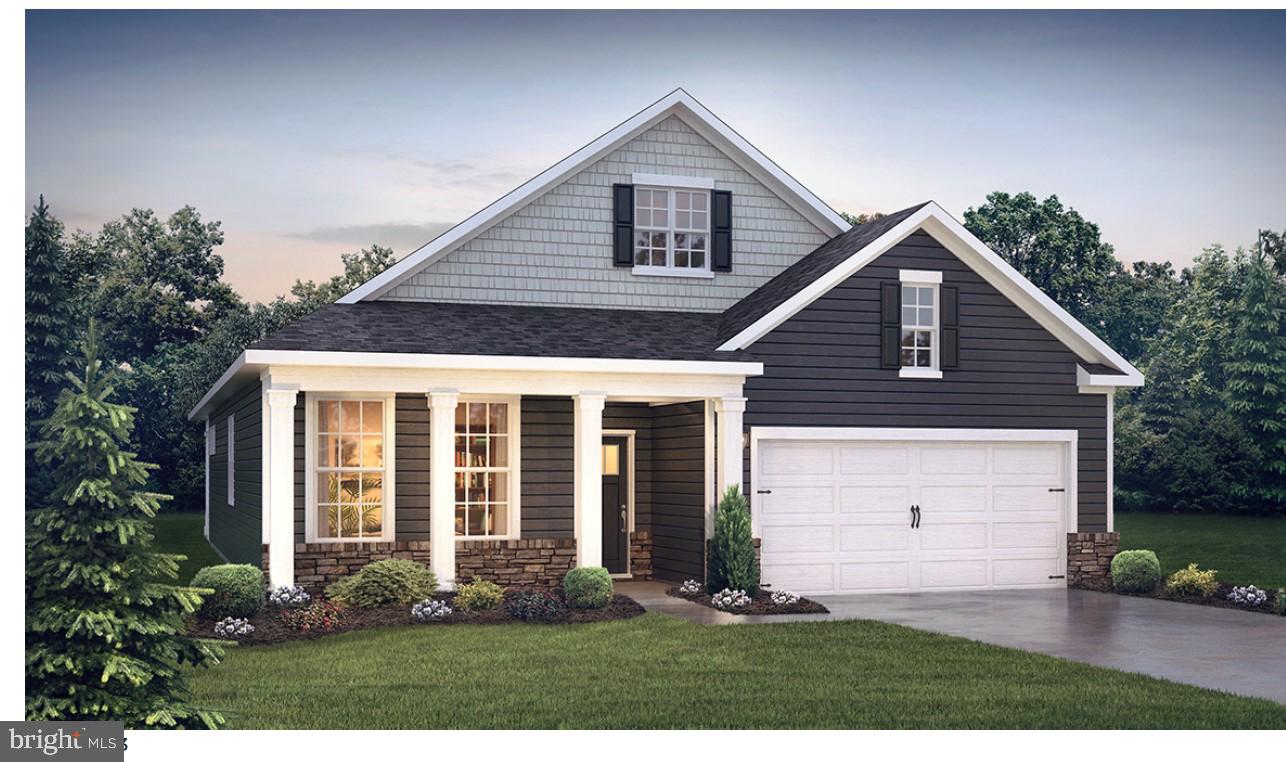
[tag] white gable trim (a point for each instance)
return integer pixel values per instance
(678, 103)
(973, 252)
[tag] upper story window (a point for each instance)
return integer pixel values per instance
(351, 486)
(671, 230)
(920, 324)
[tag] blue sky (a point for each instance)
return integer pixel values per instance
(310, 134)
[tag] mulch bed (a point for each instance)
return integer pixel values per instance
(1218, 600)
(269, 627)
(760, 604)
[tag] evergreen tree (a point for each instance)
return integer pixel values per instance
(1256, 386)
(48, 326)
(105, 638)
(732, 550)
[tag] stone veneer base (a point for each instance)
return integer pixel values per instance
(1089, 559)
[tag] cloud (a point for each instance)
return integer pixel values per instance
(401, 237)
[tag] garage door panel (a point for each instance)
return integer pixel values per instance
(1043, 534)
(798, 500)
(1016, 572)
(1027, 459)
(796, 538)
(796, 460)
(875, 498)
(801, 577)
(965, 459)
(874, 460)
(953, 536)
(1026, 497)
(855, 538)
(953, 573)
(875, 575)
(952, 499)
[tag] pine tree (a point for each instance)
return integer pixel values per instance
(48, 326)
(105, 639)
(1256, 387)
(732, 550)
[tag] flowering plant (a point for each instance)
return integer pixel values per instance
(231, 627)
(727, 599)
(430, 610)
(1248, 596)
(784, 598)
(691, 587)
(321, 616)
(289, 596)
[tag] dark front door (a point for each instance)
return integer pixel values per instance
(616, 499)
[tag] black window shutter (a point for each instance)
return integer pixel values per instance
(890, 324)
(721, 231)
(950, 352)
(623, 225)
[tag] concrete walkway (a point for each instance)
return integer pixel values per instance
(1223, 649)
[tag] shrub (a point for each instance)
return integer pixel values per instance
(730, 599)
(479, 595)
(322, 616)
(1192, 581)
(231, 628)
(1278, 606)
(430, 610)
(536, 606)
(238, 590)
(1249, 596)
(1136, 571)
(289, 597)
(691, 587)
(587, 587)
(382, 583)
(732, 550)
(784, 598)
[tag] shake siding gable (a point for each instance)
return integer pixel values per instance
(822, 368)
(557, 250)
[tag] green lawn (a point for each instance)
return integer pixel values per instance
(661, 672)
(181, 533)
(1246, 550)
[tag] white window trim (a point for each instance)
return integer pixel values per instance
(932, 279)
(515, 467)
(310, 466)
(232, 459)
(670, 270)
(673, 181)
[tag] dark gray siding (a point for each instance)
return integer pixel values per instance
(822, 368)
(548, 467)
(236, 530)
(410, 464)
(678, 490)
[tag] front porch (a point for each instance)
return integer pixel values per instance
(513, 475)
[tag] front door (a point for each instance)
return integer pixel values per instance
(616, 499)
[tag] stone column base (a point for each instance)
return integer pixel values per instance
(641, 555)
(1089, 559)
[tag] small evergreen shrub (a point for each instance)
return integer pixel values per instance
(233, 628)
(430, 610)
(322, 616)
(732, 550)
(727, 600)
(536, 606)
(289, 597)
(1136, 571)
(479, 595)
(1249, 597)
(393, 581)
(587, 587)
(238, 590)
(1193, 582)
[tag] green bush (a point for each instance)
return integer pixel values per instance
(238, 590)
(479, 595)
(587, 587)
(732, 551)
(383, 583)
(1278, 605)
(1136, 571)
(1193, 581)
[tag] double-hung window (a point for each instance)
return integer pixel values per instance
(671, 231)
(486, 442)
(920, 324)
(351, 480)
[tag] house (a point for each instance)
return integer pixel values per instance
(572, 376)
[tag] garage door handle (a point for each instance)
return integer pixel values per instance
(763, 492)
(915, 517)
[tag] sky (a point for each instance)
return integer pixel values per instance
(309, 134)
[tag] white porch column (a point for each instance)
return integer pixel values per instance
(442, 485)
(279, 441)
(589, 478)
(728, 459)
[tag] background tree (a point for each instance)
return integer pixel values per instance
(48, 325)
(104, 637)
(861, 219)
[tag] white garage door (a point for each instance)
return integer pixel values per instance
(836, 516)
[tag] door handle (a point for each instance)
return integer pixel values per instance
(625, 523)
(915, 517)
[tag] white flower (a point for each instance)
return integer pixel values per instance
(730, 599)
(231, 627)
(1248, 596)
(691, 587)
(288, 596)
(784, 598)
(430, 610)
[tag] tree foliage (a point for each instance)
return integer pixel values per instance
(105, 637)
(48, 319)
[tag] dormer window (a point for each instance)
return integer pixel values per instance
(671, 231)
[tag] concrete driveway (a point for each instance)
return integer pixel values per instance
(1223, 649)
